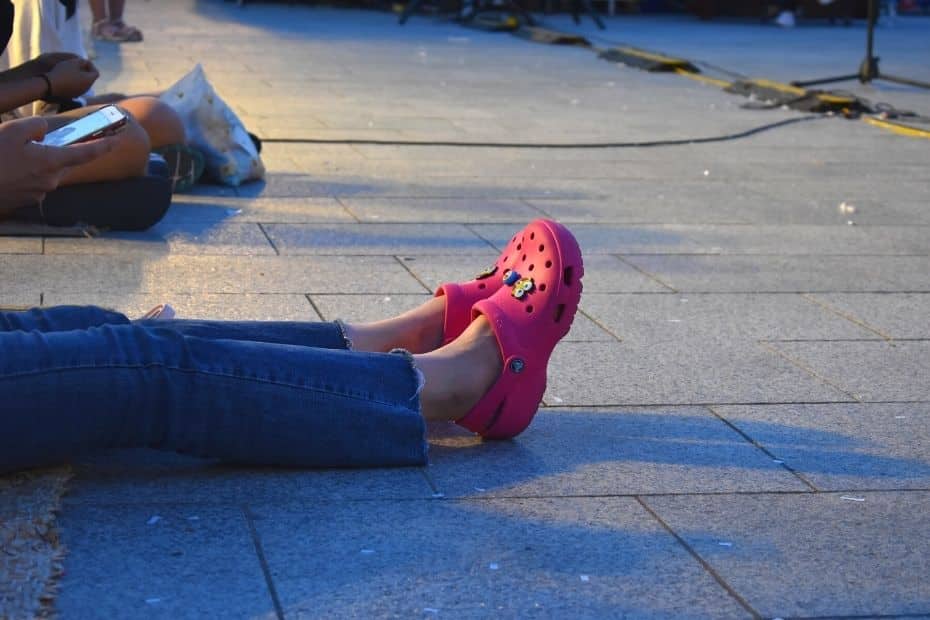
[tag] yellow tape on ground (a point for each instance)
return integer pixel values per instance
(901, 130)
(703, 78)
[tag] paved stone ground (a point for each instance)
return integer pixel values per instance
(737, 426)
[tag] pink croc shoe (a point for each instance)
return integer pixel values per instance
(530, 313)
(460, 297)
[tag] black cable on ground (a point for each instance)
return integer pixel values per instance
(531, 145)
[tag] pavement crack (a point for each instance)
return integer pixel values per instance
(260, 552)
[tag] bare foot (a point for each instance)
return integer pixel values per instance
(418, 330)
(460, 373)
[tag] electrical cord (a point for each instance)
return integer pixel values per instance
(557, 145)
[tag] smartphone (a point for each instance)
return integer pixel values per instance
(105, 121)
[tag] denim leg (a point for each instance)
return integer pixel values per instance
(320, 335)
(59, 319)
(65, 394)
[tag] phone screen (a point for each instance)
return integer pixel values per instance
(84, 128)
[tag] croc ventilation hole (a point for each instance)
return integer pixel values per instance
(519, 246)
(531, 267)
(532, 236)
(559, 311)
(542, 287)
(568, 275)
(481, 286)
(524, 258)
(529, 310)
(541, 247)
(548, 264)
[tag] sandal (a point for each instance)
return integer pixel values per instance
(460, 297)
(116, 31)
(531, 311)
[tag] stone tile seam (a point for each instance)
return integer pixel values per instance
(287, 503)
(347, 209)
(808, 370)
(700, 560)
(649, 275)
(861, 323)
(735, 404)
(274, 247)
(784, 464)
(262, 561)
(316, 308)
(471, 229)
(403, 265)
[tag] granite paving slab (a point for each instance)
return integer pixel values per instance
(144, 477)
(226, 307)
(20, 245)
(217, 210)
(464, 211)
(871, 370)
(896, 315)
(549, 558)
(741, 316)
(845, 446)
(671, 373)
(812, 555)
(204, 274)
(773, 274)
(603, 273)
(190, 238)
(378, 239)
(615, 239)
(585, 452)
(169, 564)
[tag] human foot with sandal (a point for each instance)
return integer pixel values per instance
(108, 24)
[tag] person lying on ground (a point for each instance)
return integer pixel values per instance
(79, 380)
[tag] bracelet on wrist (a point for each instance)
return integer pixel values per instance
(48, 87)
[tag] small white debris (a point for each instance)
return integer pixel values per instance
(438, 495)
(707, 173)
(724, 543)
(153, 601)
(684, 301)
(480, 489)
(847, 208)
(900, 417)
(367, 551)
(674, 320)
(585, 578)
(493, 566)
(850, 498)
(387, 299)
(430, 610)
(556, 399)
(850, 223)
(153, 520)
(233, 211)
(193, 518)
(778, 461)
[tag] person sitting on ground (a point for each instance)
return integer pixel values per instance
(79, 380)
(46, 33)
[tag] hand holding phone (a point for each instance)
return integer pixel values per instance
(104, 122)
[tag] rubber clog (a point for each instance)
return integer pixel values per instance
(461, 296)
(531, 311)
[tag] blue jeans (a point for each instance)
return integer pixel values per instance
(79, 380)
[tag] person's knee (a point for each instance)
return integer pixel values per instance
(160, 121)
(129, 158)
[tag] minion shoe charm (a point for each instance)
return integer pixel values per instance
(511, 277)
(522, 287)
